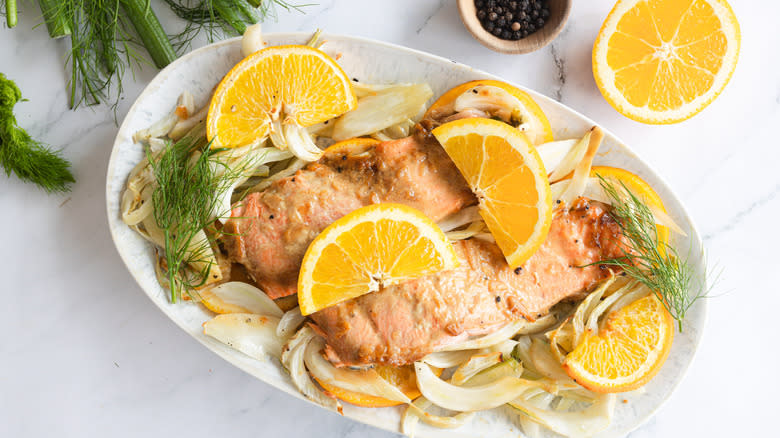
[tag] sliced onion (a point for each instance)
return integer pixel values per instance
(591, 324)
(585, 308)
(520, 326)
(293, 167)
(585, 423)
(474, 365)
(460, 218)
(158, 128)
(581, 175)
(145, 206)
(252, 41)
(639, 292)
(448, 359)
(253, 335)
(293, 359)
(386, 108)
(300, 142)
(202, 257)
(530, 428)
(569, 162)
(183, 126)
(362, 90)
(468, 399)
(474, 228)
(417, 411)
(545, 363)
(248, 297)
(366, 381)
(291, 320)
(552, 153)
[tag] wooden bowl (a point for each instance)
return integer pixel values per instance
(559, 13)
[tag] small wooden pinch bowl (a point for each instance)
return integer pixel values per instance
(559, 13)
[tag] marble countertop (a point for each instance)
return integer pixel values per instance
(83, 352)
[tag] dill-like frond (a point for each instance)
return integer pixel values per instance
(190, 178)
(655, 264)
(29, 159)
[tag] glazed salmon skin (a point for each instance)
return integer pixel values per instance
(403, 323)
(269, 232)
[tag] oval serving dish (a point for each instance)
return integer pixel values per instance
(376, 62)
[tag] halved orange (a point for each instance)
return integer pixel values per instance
(403, 378)
(372, 247)
(628, 351)
(663, 61)
(506, 173)
(534, 123)
(288, 84)
(638, 187)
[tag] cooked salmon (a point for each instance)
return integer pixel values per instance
(405, 322)
(269, 232)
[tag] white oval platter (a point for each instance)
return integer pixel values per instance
(376, 62)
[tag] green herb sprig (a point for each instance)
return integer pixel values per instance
(190, 178)
(654, 263)
(24, 156)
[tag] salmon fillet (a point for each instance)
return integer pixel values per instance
(269, 232)
(405, 322)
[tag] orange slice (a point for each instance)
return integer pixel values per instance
(508, 176)
(638, 187)
(351, 146)
(663, 61)
(288, 85)
(372, 247)
(627, 352)
(403, 378)
(532, 120)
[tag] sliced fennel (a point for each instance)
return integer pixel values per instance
(363, 381)
(245, 296)
(293, 359)
(384, 109)
(253, 335)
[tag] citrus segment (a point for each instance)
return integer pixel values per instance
(297, 85)
(663, 61)
(508, 176)
(372, 247)
(627, 352)
(533, 122)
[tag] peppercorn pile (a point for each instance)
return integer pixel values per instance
(510, 19)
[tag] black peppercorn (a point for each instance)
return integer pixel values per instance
(512, 20)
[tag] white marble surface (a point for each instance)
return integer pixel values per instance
(84, 353)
